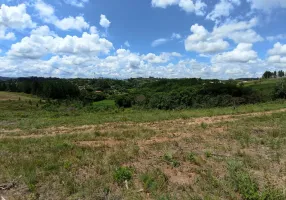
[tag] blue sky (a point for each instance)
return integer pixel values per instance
(141, 38)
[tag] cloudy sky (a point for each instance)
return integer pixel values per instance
(141, 38)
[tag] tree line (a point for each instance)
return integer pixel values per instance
(188, 93)
(53, 88)
(275, 74)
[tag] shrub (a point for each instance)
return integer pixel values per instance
(170, 160)
(122, 174)
(154, 180)
(123, 101)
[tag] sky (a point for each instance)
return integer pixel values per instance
(121, 39)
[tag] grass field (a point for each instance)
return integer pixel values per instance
(264, 86)
(69, 153)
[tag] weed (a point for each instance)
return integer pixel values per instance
(193, 158)
(204, 125)
(208, 154)
(122, 174)
(170, 160)
(242, 181)
(154, 180)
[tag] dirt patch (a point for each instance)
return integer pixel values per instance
(107, 143)
(179, 123)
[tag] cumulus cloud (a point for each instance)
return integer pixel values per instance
(14, 17)
(6, 36)
(77, 3)
(77, 23)
(203, 41)
(278, 49)
(104, 22)
(223, 9)
(267, 5)
(162, 58)
(43, 42)
(47, 14)
(45, 11)
(189, 6)
(242, 53)
(277, 55)
(93, 30)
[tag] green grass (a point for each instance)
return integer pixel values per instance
(105, 103)
(243, 159)
(24, 115)
(5, 96)
(264, 86)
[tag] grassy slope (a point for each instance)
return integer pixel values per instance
(24, 115)
(224, 160)
(5, 96)
(265, 86)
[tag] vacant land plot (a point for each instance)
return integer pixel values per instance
(190, 154)
(6, 96)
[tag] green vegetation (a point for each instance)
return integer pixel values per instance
(154, 181)
(82, 148)
(170, 160)
(122, 174)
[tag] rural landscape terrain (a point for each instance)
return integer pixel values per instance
(144, 138)
(142, 100)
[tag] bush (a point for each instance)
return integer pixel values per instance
(123, 101)
(154, 180)
(122, 174)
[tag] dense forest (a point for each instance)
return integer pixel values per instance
(147, 93)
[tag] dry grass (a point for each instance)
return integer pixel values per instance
(220, 157)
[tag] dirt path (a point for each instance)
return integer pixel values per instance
(108, 127)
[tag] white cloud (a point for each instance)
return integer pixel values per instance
(77, 23)
(203, 41)
(267, 5)
(77, 3)
(6, 36)
(248, 36)
(200, 41)
(93, 30)
(240, 32)
(164, 3)
(43, 31)
(189, 6)
(176, 36)
(277, 55)
(15, 17)
(43, 42)
(222, 9)
(278, 49)
(104, 22)
(276, 37)
(242, 53)
(126, 43)
(159, 42)
(47, 14)
(46, 11)
(162, 58)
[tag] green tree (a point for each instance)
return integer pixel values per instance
(281, 73)
(267, 74)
